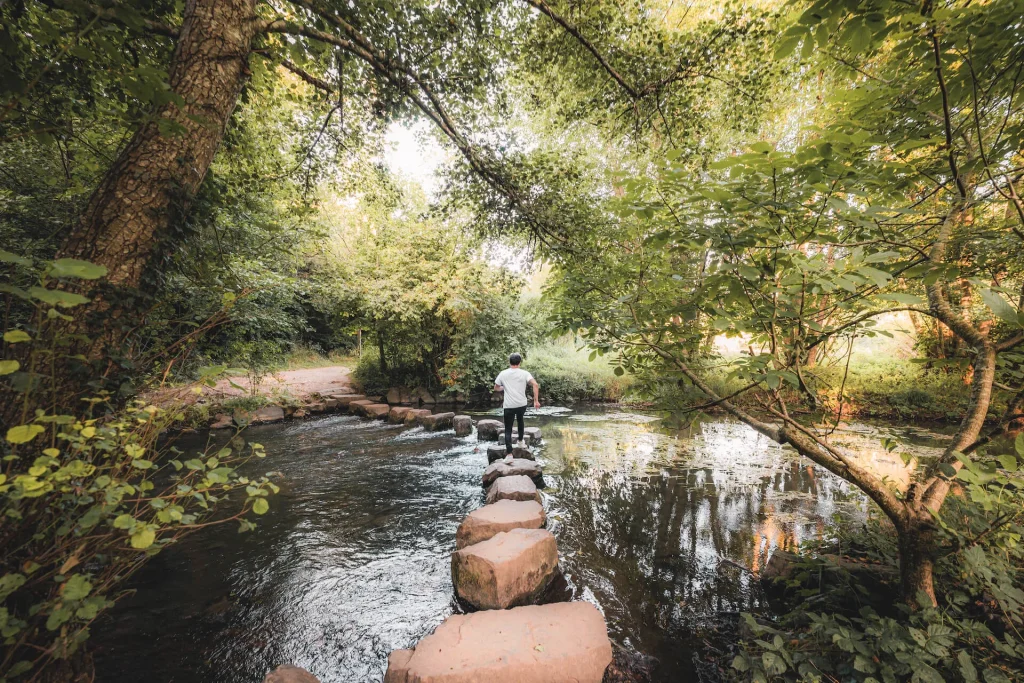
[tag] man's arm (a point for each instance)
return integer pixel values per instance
(536, 393)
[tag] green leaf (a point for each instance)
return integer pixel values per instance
(909, 299)
(15, 336)
(9, 366)
(1008, 462)
(1000, 306)
(24, 433)
(878, 277)
(76, 588)
(260, 506)
(70, 267)
(1018, 444)
(8, 257)
(143, 538)
(124, 522)
(57, 297)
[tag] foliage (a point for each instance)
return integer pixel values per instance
(87, 497)
(974, 634)
(880, 203)
(568, 374)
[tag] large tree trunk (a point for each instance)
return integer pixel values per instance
(917, 547)
(155, 176)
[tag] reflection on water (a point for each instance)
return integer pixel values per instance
(353, 559)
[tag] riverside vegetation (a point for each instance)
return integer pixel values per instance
(189, 187)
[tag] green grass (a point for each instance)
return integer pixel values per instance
(566, 374)
(875, 387)
(303, 358)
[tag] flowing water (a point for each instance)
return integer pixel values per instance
(655, 522)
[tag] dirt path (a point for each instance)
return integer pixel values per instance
(298, 384)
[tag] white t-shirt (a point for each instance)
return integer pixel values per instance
(514, 380)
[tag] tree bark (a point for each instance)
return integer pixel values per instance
(917, 545)
(153, 180)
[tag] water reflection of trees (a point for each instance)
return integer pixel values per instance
(648, 516)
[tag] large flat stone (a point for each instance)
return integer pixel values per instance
(518, 487)
(346, 399)
(488, 430)
(414, 415)
(532, 435)
(264, 414)
(286, 673)
(559, 643)
(463, 425)
(377, 411)
(397, 415)
(505, 515)
(509, 569)
(436, 423)
(355, 407)
(398, 666)
(498, 452)
(518, 466)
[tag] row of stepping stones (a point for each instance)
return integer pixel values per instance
(504, 561)
(357, 404)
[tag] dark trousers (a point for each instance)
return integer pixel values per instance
(513, 415)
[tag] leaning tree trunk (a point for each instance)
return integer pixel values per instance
(156, 175)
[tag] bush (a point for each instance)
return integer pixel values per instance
(975, 632)
(566, 374)
(88, 493)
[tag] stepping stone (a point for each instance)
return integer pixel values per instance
(509, 569)
(463, 425)
(532, 435)
(518, 466)
(346, 399)
(436, 423)
(317, 407)
(505, 515)
(498, 452)
(222, 421)
(519, 487)
(377, 411)
(397, 415)
(414, 415)
(286, 673)
(565, 641)
(355, 407)
(330, 404)
(488, 430)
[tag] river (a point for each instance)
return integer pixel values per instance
(655, 520)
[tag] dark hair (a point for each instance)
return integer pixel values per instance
(515, 359)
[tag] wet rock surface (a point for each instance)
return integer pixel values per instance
(518, 466)
(511, 568)
(436, 423)
(555, 643)
(286, 673)
(498, 452)
(518, 487)
(505, 515)
(488, 430)
(463, 425)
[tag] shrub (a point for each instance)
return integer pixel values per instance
(88, 493)
(567, 374)
(973, 635)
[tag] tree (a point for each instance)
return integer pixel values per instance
(911, 184)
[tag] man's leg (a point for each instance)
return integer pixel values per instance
(510, 415)
(520, 416)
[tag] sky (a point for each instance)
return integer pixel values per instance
(414, 153)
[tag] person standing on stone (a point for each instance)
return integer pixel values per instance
(512, 382)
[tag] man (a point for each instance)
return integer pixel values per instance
(513, 382)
